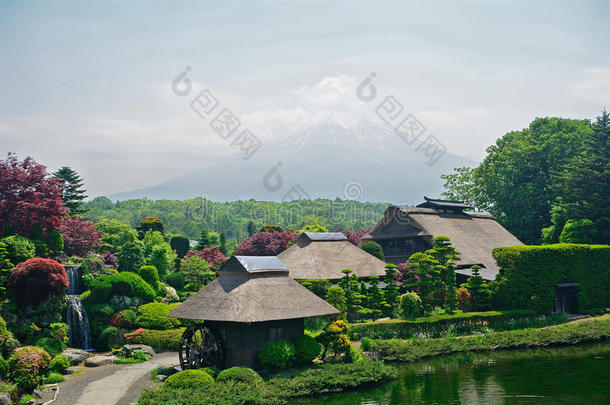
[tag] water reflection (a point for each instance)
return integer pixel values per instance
(569, 375)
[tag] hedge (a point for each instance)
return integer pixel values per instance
(569, 334)
(436, 326)
(128, 284)
(529, 276)
(154, 316)
(159, 339)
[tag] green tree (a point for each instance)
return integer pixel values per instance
(131, 256)
(223, 243)
(350, 284)
(373, 248)
(426, 280)
(161, 260)
(461, 186)
(151, 276)
(390, 290)
(315, 227)
(578, 231)
(5, 271)
(150, 224)
(73, 192)
(250, 228)
(116, 234)
(271, 228)
(180, 244)
(196, 270)
(335, 296)
(375, 298)
(205, 240)
(451, 297)
(55, 241)
(478, 289)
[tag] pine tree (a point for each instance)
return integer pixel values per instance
(223, 243)
(391, 290)
(205, 240)
(451, 298)
(73, 193)
(477, 287)
(251, 230)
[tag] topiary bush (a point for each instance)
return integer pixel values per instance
(158, 339)
(373, 248)
(411, 305)
(126, 284)
(176, 280)
(180, 244)
(240, 374)
(28, 365)
(59, 364)
(55, 241)
(18, 248)
(306, 348)
(366, 344)
(33, 280)
(187, 379)
(51, 345)
(154, 316)
(150, 275)
(277, 355)
(126, 319)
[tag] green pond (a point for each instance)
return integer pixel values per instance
(566, 375)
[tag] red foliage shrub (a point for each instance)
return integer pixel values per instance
(80, 236)
(354, 236)
(211, 254)
(266, 243)
(464, 299)
(33, 280)
(28, 196)
(114, 321)
(110, 259)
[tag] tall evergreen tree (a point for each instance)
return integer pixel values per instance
(451, 298)
(205, 239)
(223, 242)
(477, 287)
(251, 230)
(74, 194)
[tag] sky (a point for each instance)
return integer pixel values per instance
(89, 84)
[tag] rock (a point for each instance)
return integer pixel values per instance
(127, 349)
(161, 377)
(170, 295)
(76, 356)
(5, 398)
(73, 369)
(97, 361)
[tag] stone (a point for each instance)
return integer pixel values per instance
(76, 356)
(73, 369)
(127, 349)
(96, 361)
(5, 398)
(161, 377)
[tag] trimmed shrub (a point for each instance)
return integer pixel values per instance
(55, 241)
(59, 364)
(411, 305)
(188, 379)
(578, 231)
(212, 371)
(306, 348)
(4, 368)
(150, 224)
(160, 258)
(180, 244)
(373, 248)
(18, 248)
(366, 344)
(126, 319)
(51, 345)
(529, 276)
(150, 275)
(277, 355)
(176, 280)
(154, 316)
(158, 339)
(127, 284)
(131, 256)
(240, 374)
(39, 278)
(28, 364)
(54, 378)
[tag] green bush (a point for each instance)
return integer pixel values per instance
(569, 334)
(578, 231)
(28, 364)
(127, 284)
(109, 338)
(176, 280)
(180, 244)
(373, 248)
(54, 378)
(150, 275)
(59, 331)
(18, 248)
(457, 324)
(366, 344)
(4, 368)
(212, 371)
(306, 348)
(131, 256)
(188, 379)
(55, 241)
(51, 345)
(154, 316)
(411, 305)
(240, 374)
(277, 355)
(529, 276)
(140, 355)
(159, 339)
(59, 363)
(127, 319)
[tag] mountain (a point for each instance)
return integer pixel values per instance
(367, 162)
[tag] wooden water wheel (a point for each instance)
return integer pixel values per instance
(200, 347)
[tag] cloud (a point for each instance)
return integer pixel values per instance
(594, 85)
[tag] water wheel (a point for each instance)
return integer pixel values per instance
(200, 347)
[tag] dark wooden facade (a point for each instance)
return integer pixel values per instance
(241, 342)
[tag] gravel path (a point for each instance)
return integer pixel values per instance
(115, 384)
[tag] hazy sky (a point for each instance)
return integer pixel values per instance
(88, 85)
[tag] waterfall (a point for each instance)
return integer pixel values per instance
(76, 317)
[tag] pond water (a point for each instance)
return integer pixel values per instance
(567, 375)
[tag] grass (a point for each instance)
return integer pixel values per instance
(129, 360)
(567, 334)
(313, 381)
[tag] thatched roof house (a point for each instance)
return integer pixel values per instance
(405, 230)
(251, 303)
(322, 256)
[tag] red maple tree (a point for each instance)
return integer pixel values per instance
(33, 280)
(266, 243)
(80, 235)
(211, 254)
(28, 196)
(354, 236)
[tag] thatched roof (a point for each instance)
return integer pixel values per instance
(474, 234)
(487, 274)
(323, 256)
(252, 289)
(446, 204)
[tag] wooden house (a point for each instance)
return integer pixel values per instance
(251, 303)
(322, 256)
(405, 230)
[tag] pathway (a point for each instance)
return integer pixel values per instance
(114, 384)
